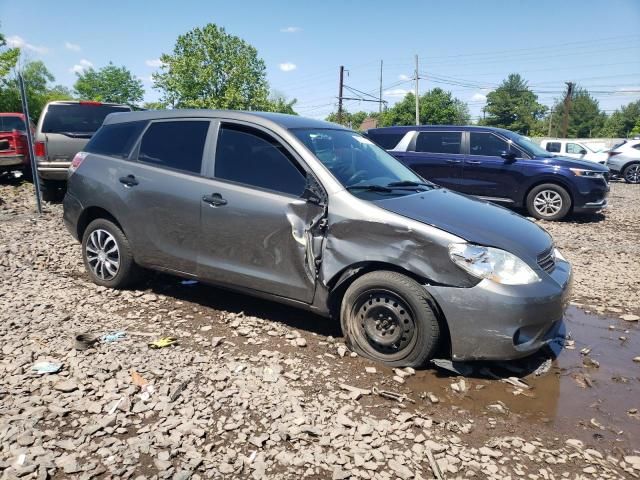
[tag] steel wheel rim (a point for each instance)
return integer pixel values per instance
(547, 203)
(632, 174)
(103, 254)
(384, 321)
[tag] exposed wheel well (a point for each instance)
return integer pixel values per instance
(553, 182)
(341, 282)
(89, 215)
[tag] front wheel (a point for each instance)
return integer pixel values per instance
(390, 318)
(631, 173)
(548, 202)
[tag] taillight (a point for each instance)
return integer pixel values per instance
(19, 142)
(40, 150)
(76, 162)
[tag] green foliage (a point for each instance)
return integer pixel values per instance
(278, 103)
(8, 58)
(351, 120)
(622, 122)
(210, 68)
(109, 84)
(154, 106)
(436, 107)
(37, 80)
(585, 117)
(513, 106)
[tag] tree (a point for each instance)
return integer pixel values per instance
(436, 107)
(622, 122)
(109, 84)
(513, 106)
(585, 117)
(8, 58)
(210, 68)
(279, 103)
(351, 120)
(154, 106)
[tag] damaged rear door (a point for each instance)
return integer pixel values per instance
(257, 229)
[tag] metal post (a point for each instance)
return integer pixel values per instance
(340, 94)
(417, 98)
(567, 107)
(32, 156)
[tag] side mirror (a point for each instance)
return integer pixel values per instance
(583, 152)
(511, 156)
(313, 193)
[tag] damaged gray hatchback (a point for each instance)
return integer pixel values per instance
(315, 215)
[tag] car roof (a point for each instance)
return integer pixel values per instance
(86, 102)
(265, 118)
(420, 128)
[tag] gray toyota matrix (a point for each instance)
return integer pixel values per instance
(315, 215)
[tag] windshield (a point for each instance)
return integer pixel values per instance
(529, 146)
(357, 163)
(77, 117)
(8, 124)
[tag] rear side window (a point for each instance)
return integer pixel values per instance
(486, 144)
(77, 117)
(387, 141)
(250, 156)
(178, 145)
(553, 147)
(439, 142)
(8, 124)
(116, 139)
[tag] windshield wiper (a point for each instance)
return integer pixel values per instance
(409, 183)
(371, 188)
(78, 134)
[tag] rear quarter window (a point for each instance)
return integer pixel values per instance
(116, 139)
(387, 141)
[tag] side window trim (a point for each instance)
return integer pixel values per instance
(135, 151)
(414, 141)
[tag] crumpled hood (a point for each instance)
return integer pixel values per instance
(474, 220)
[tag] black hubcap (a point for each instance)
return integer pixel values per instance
(385, 321)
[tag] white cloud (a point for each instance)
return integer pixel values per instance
(82, 66)
(14, 41)
(72, 46)
(155, 63)
(479, 97)
(291, 29)
(404, 77)
(396, 92)
(288, 66)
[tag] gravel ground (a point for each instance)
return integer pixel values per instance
(252, 389)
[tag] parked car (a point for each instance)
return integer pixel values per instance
(624, 160)
(499, 166)
(14, 153)
(575, 149)
(64, 128)
(315, 215)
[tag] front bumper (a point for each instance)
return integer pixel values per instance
(53, 170)
(502, 322)
(591, 207)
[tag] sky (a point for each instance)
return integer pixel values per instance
(466, 47)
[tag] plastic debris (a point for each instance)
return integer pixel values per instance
(398, 397)
(138, 379)
(189, 282)
(43, 368)
(163, 342)
(112, 337)
(459, 368)
(543, 368)
(115, 406)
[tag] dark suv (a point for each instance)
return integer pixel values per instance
(500, 166)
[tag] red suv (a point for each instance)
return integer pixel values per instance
(14, 154)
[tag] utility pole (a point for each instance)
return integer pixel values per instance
(340, 94)
(417, 101)
(550, 122)
(567, 107)
(380, 104)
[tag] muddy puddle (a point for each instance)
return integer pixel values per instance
(595, 404)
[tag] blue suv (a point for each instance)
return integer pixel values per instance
(500, 166)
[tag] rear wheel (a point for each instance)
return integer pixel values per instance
(631, 173)
(548, 201)
(390, 318)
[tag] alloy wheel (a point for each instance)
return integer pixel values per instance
(547, 203)
(632, 173)
(103, 255)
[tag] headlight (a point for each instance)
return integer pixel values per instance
(581, 172)
(492, 263)
(558, 255)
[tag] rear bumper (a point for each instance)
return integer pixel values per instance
(72, 209)
(13, 161)
(503, 322)
(53, 170)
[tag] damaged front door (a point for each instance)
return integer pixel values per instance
(257, 227)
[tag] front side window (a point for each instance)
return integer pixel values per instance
(439, 142)
(176, 144)
(250, 156)
(553, 147)
(486, 144)
(574, 148)
(116, 139)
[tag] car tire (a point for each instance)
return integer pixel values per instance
(631, 173)
(548, 201)
(107, 255)
(390, 318)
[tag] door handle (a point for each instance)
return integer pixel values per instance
(215, 200)
(129, 181)
(451, 160)
(473, 162)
